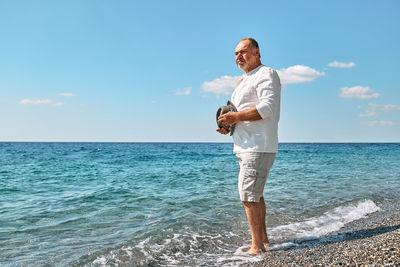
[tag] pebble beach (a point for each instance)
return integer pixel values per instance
(368, 242)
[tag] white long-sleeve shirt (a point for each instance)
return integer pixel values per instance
(260, 88)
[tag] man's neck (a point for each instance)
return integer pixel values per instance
(255, 66)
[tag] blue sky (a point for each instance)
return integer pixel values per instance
(158, 70)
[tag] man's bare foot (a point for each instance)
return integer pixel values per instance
(267, 244)
(253, 251)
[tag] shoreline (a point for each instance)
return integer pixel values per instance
(372, 241)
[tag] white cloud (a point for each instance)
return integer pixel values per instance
(223, 85)
(298, 74)
(27, 101)
(381, 123)
(185, 91)
(336, 64)
(390, 107)
(370, 111)
(67, 94)
(36, 102)
(295, 74)
(358, 92)
(373, 109)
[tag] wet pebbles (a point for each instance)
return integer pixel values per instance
(377, 244)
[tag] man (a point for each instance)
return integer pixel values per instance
(257, 99)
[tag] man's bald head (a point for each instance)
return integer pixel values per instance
(247, 54)
(253, 42)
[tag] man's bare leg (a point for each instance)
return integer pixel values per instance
(264, 228)
(254, 217)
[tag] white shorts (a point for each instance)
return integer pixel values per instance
(254, 170)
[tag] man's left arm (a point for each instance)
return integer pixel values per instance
(231, 118)
(268, 92)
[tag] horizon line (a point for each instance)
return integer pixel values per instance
(208, 142)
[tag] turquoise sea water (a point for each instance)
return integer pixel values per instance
(176, 204)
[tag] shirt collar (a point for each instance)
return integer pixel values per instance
(252, 71)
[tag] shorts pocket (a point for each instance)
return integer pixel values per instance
(248, 179)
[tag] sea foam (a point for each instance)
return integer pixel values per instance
(308, 229)
(331, 221)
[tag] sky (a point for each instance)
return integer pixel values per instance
(157, 71)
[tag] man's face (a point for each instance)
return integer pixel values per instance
(246, 56)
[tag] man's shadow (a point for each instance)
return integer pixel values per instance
(311, 241)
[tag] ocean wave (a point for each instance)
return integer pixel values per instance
(329, 222)
(189, 248)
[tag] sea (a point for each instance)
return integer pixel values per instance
(176, 204)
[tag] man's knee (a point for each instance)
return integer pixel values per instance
(248, 204)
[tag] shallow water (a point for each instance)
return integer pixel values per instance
(97, 204)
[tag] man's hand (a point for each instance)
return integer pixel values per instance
(229, 118)
(222, 131)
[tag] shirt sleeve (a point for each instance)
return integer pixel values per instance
(268, 92)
